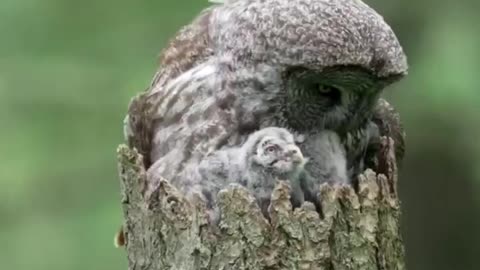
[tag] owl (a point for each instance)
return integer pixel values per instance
(331, 166)
(267, 155)
(303, 65)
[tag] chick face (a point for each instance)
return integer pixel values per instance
(278, 155)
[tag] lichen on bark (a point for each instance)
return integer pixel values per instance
(358, 229)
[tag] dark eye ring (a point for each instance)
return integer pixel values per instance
(328, 92)
(325, 89)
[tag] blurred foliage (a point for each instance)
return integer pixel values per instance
(68, 69)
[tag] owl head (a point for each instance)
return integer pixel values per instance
(319, 63)
(274, 149)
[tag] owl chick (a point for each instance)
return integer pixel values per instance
(267, 155)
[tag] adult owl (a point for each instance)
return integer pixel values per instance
(305, 65)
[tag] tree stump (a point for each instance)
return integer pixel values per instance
(358, 229)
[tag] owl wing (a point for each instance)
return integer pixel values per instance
(388, 122)
(138, 126)
(191, 116)
(190, 46)
(390, 125)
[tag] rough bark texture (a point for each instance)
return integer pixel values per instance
(357, 229)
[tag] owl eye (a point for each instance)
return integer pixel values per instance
(271, 149)
(329, 92)
(326, 89)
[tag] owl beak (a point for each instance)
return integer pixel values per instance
(293, 153)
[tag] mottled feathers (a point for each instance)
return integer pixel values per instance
(304, 65)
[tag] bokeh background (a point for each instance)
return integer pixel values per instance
(68, 69)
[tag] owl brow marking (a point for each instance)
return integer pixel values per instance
(266, 142)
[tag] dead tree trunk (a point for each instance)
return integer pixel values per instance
(358, 229)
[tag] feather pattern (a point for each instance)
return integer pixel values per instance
(304, 65)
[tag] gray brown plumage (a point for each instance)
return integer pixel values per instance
(306, 65)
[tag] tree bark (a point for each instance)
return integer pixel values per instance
(358, 229)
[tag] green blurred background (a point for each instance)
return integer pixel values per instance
(68, 69)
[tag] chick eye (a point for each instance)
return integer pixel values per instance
(271, 149)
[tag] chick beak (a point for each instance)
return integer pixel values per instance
(293, 153)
